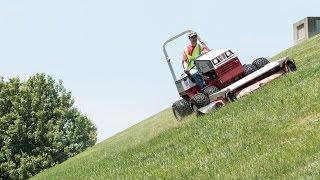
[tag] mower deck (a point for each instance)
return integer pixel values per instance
(250, 83)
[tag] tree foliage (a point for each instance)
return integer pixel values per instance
(39, 127)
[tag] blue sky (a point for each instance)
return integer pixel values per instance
(109, 53)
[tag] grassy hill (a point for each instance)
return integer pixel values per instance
(272, 133)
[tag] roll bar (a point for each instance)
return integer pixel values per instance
(166, 53)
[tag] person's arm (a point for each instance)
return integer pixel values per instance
(204, 47)
(184, 62)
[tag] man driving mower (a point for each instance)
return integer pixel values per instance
(190, 53)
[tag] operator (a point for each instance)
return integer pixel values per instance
(190, 54)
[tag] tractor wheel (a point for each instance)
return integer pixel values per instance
(249, 68)
(210, 90)
(181, 109)
(198, 101)
(260, 62)
(292, 66)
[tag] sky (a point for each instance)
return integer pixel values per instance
(109, 53)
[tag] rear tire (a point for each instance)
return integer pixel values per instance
(198, 101)
(260, 62)
(181, 109)
(210, 90)
(249, 68)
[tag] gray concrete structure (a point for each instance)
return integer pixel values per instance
(305, 29)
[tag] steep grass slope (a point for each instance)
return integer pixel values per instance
(272, 133)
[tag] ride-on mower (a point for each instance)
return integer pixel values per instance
(226, 77)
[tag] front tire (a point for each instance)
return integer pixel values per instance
(181, 109)
(198, 101)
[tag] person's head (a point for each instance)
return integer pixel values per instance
(193, 38)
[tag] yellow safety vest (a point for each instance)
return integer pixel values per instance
(191, 58)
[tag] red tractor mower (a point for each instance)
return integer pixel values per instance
(226, 77)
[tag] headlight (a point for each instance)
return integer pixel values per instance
(228, 53)
(215, 61)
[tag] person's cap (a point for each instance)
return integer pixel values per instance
(191, 34)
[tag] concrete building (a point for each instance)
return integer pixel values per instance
(305, 29)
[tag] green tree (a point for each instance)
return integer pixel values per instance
(39, 127)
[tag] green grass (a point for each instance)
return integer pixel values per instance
(271, 133)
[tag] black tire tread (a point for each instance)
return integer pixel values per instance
(260, 62)
(183, 108)
(210, 90)
(200, 100)
(249, 68)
